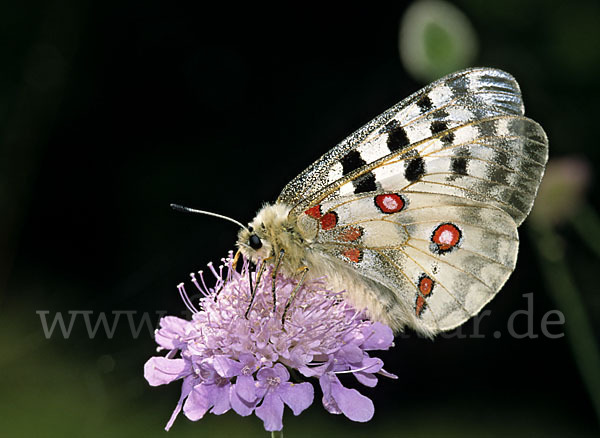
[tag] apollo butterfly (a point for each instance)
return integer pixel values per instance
(415, 215)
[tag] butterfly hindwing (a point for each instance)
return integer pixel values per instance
(437, 258)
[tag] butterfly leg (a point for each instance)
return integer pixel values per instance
(253, 289)
(273, 276)
(304, 270)
(235, 259)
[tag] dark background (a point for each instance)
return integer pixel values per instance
(109, 111)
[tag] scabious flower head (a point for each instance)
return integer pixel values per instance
(253, 362)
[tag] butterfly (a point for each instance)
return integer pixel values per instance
(415, 214)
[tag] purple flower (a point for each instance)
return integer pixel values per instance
(276, 390)
(229, 361)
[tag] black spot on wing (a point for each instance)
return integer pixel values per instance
(501, 156)
(397, 137)
(458, 165)
(352, 161)
(415, 169)
(424, 104)
(365, 183)
(497, 174)
(448, 138)
(441, 114)
(439, 126)
(487, 128)
(459, 85)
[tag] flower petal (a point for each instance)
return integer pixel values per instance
(297, 396)
(328, 401)
(197, 403)
(271, 412)
(281, 372)
(352, 403)
(248, 360)
(220, 397)
(368, 366)
(350, 354)
(187, 386)
(264, 373)
(366, 379)
(277, 371)
(371, 364)
(377, 337)
(245, 388)
(160, 370)
(314, 371)
(226, 367)
(172, 329)
(241, 406)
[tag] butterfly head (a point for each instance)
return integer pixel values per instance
(267, 234)
(253, 243)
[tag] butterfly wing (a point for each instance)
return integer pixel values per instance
(435, 259)
(463, 163)
(464, 135)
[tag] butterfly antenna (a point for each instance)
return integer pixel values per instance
(178, 207)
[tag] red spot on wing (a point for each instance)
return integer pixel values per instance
(420, 305)
(425, 285)
(389, 202)
(314, 212)
(350, 234)
(353, 254)
(446, 237)
(329, 220)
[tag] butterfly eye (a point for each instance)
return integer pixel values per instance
(255, 242)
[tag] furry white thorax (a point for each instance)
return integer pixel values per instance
(278, 230)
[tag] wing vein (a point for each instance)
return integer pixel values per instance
(391, 261)
(439, 283)
(452, 266)
(510, 268)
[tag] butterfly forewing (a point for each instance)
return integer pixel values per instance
(453, 101)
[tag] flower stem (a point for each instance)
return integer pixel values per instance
(563, 290)
(277, 433)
